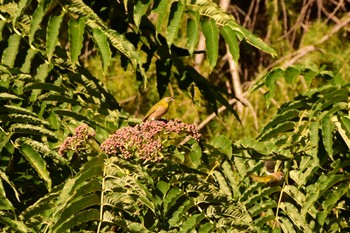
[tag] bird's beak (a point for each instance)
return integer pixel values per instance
(171, 98)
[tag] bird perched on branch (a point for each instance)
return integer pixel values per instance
(159, 109)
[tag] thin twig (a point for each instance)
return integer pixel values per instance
(285, 20)
(301, 52)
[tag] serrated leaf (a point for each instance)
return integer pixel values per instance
(253, 40)
(77, 116)
(280, 118)
(321, 186)
(287, 225)
(261, 221)
(52, 33)
(163, 187)
(170, 199)
(44, 204)
(140, 9)
(37, 162)
(91, 169)
(330, 98)
(291, 74)
(43, 71)
(28, 60)
(17, 109)
(31, 129)
(15, 224)
(81, 217)
(224, 187)
(240, 164)
(192, 33)
(78, 204)
(103, 48)
(128, 49)
(206, 228)
(59, 98)
(231, 40)
(191, 222)
(20, 6)
(272, 77)
(223, 144)
(145, 196)
(298, 196)
(23, 118)
(76, 38)
(179, 213)
(314, 137)
(161, 10)
(232, 176)
(335, 196)
(267, 191)
(37, 17)
(345, 121)
(4, 139)
(195, 155)
(295, 216)
(262, 207)
(8, 96)
(43, 86)
(343, 126)
(327, 135)
(175, 18)
(5, 203)
(2, 25)
(9, 54)
(211, 35)
(309, 75)
(280, 128)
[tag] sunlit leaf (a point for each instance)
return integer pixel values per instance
(192, 33)
(231, 40)
(76, 38)
(176, 12)
(37, 162)
(52, 34)
(211, 34)
(103, 48)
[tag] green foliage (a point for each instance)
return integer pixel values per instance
(46, 95)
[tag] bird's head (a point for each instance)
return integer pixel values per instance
(168, 99)
(279, 175)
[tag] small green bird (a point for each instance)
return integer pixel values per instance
(158, 110)
(272, 177)
(269, 179)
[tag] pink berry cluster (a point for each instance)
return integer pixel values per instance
(145, 140)
(78, 142)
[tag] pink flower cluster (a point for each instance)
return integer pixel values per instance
(145, 140)
(77, 142)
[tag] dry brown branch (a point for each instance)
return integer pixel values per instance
(233, 67)
(332, 15)
(273, 18)
(292, 58)
(223, 108)
(303, 14)
(285, 20)
(255, 15)
(247, 17)
(236, 82)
